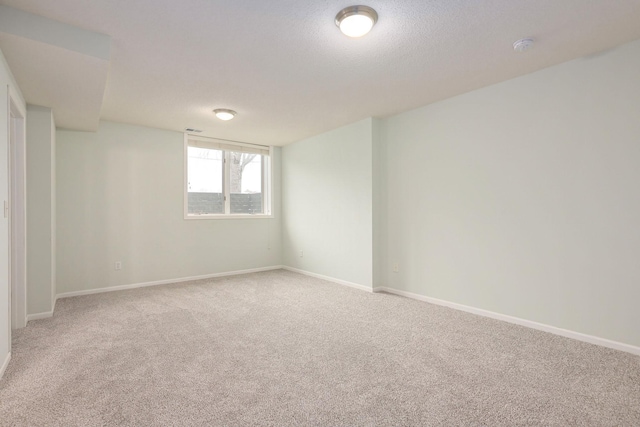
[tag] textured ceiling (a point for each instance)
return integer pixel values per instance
(288, 71)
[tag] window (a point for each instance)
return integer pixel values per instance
(226, 179)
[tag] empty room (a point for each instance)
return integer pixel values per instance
(283, 213)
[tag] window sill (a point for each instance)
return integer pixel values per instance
(231, 216)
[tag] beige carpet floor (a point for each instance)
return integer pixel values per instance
(278, 349)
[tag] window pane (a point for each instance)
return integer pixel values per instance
(204, 181)
(246, 183)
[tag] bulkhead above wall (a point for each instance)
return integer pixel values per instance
(57, 65)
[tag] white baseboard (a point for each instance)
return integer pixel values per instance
(44, 315)
(5, 364)
(329, 279)
(38, 316)
(518, 321)
(164, 282)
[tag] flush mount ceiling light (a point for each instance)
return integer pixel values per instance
(356, 21)
(224, 114)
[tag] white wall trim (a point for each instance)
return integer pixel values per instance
(329, 279)
(5, 364)
(43, 315)
(38, 316)
(518, 321)
(164, 282)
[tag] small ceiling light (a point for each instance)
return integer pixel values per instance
(356, 21)
(224, 114)
(523, 45)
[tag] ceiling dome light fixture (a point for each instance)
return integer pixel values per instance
(356, 21)
(224, 114)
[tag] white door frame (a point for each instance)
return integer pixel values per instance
(17, 213)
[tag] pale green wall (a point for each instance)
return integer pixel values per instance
(379, 193)
(520, 198)
(120, 198)
(523, 198)
(327, 204)
(40, 210)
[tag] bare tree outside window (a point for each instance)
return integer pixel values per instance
(245, 182)
(221, 180)
(238, 162)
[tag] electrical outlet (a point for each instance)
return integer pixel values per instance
(301, 254)
(118, 265)
(396, 268)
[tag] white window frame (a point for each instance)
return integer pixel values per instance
(267, 180)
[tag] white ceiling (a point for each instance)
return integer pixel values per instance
(289, 73)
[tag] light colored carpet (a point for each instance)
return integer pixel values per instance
(278, 348)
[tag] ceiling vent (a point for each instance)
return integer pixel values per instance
(193, 130)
